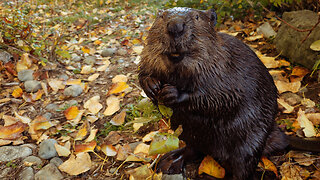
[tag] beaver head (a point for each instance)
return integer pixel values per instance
(176, 30)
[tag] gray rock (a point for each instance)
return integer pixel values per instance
(120, 61)
(32, 160)
(74, 90)
(288, 40)
(49, 172)
(291, 98)
(52, 107)
(75, 57)
(25, 75)
(26, 174)
(108, 52)
(32, 86)
(5, 56)
(9, 153)
(47, 115)
(90, 60)
(172, 177)
(47, 149)
(122, 52)
(56, 161)
(64, 77)
(266, 30)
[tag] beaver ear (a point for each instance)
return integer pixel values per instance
(160, 13)
(212, 15)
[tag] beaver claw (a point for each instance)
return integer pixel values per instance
(172, 162)
(151, 87)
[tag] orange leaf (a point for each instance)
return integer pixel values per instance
(37, 95)
(85, 49)
(74, 82)
(84, 131)
(97, 42)
(211, 167)
(117, 88)
(13, 131)
(17, 92)
(299, 71)
(268, 165)
(87, 147)
(109, 150)
(71, 112)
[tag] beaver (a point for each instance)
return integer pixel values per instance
(219, 91)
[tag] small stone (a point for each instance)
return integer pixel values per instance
(122, 52)
(267, 30)
(47, 149)
(32, 85)
(108, 52)
(32, 160)
(73, 91)
(120, 61)
(25, 75)
(49, 172)
(56, 161)
(64, 77)
(26, 174)
(90, 60)
(47, 115)
(52, 107)
(75, 57)
(291, 98)
(9, 153)
(5, 56)
(112, 170)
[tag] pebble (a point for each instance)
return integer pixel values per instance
(47, 149)
(47, 115)
(9, 153)
(90, 60)
(25, 75)
(5, 56)
(122, 52)
(64, 77)
(26, 174)
(120, 61)
(49, 172)
(32, 85)
(108, 52)
(52, 107)
(172, 177)
(267, 30)
(56, 161)
(74, 90)
(32, 160)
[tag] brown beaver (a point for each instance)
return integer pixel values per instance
(219, 90)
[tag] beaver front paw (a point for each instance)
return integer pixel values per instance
(172, 162)
(151, 87)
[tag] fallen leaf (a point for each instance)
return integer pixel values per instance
(289, 171)
(299, 71)
(105, 66)
(92, 135)
(118, 119)
(63, 150)
(149, 136)
(71, 113)
(74, 82)
(113, 138)
(123, 152)
(77, 119)
(163, 143)
(137, 126)
(24, 63)
(268, 165)
(253, 38)
(9, 120)
(23, 119)
(113, 103)
(141, 148)
(93, 104)
(13, 131)
(315, 45)
(288, 109)
(137, 49)
(211, 167)
(17, 92)
(87, 69)
(308, 103)
(306, 124)
(118, 88)
(86, 147)
(76, 165)
(314, 118)
(93, 77)
(83, 131)
(56, 84)
(269, 62)
(142, 172)
(288, 86)
(119, 78)
(109, 150)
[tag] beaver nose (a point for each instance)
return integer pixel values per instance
(176, 27)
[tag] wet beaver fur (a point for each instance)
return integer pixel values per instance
(220, 92)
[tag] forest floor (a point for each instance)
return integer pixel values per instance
(69, 93)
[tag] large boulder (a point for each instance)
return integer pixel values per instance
(288, 40)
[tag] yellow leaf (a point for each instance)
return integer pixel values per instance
(86, 147)
(315, 45)
(211, 167)
(83, 132)
(118, 88)
(74, 82)
(109, 150)
(97, 42)
(17, 92)
(118, 119)
(113, 103)
(13, 131)
(268, 165)
(63, 150)
(93, 104)
(71, 112)
(85, 49)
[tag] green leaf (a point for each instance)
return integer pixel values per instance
(163, 143)
(165, 111)
(315, 45)
(64, 54)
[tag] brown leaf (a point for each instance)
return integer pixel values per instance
(142, 172)
(123, 152)
(86, 147)
(83, 131)
(13, 131)
(118, 119)
(268, 165)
